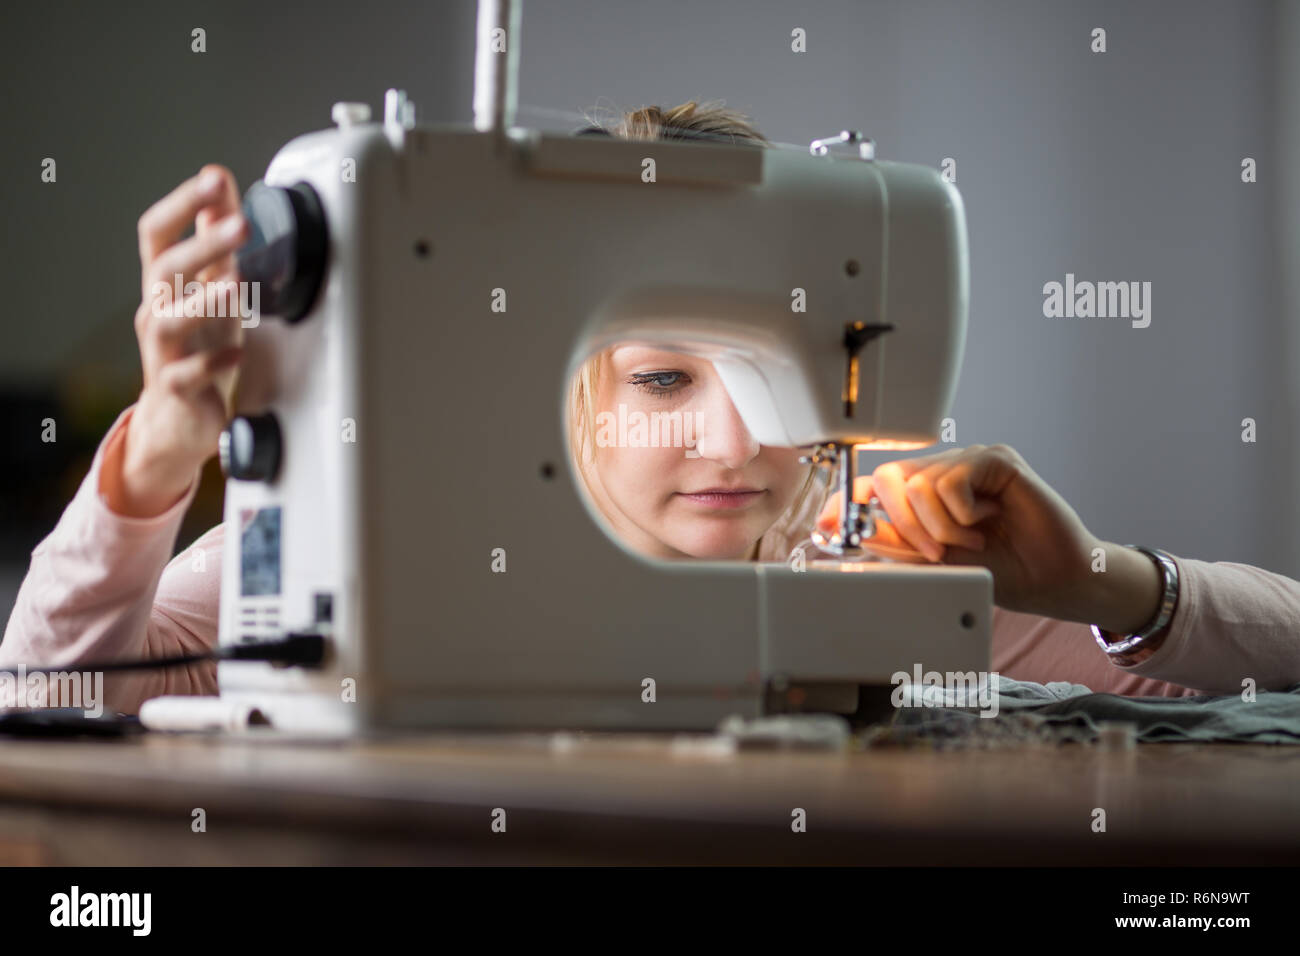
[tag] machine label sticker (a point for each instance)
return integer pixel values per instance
(259, 552)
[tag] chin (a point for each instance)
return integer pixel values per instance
(718, 547)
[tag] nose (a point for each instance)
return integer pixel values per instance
(721, 434)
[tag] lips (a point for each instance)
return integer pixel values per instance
(724, 498)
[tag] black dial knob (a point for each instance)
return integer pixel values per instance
(286, 250)
(251, 447)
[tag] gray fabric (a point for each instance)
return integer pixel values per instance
(1059, 711)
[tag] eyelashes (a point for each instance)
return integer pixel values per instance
(653, 382)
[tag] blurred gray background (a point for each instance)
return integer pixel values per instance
(1122, 166)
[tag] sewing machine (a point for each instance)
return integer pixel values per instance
(398, 475)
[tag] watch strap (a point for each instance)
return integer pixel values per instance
(1164, 614)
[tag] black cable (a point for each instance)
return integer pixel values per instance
(302, 650)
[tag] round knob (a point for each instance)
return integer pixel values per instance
(250, 448)
(286, 249)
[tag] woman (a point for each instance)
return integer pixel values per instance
(100, 585)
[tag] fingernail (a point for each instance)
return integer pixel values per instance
(209, 182)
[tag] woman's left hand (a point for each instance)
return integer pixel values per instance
(983, 505)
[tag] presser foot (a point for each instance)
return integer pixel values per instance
(857, 519)
(857, 524)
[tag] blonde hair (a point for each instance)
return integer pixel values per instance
(692, 121)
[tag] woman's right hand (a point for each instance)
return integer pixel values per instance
(189, 362)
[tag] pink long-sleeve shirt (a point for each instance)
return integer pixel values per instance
(101, 586)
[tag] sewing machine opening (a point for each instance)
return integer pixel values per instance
(665, 462)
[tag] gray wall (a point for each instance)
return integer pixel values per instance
(114, 94)
(1119, 166)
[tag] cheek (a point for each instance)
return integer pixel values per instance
(790, 473)
(639, 478)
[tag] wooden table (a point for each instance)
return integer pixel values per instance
(636, 799)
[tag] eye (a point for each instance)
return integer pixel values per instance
(658, 383)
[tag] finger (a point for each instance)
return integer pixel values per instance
(188, 377)
(888, 538)
(185, 259)
(933, 512)
(956, 488)
(174, 330)
(994, 468)
(228, 201)
(830, 514)
(885, 535)
(166, 220)
(890, 484)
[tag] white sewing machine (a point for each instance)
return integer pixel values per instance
(395, 430)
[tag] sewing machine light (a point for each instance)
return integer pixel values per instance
(889, 444)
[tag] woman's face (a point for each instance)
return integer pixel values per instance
(709, 490)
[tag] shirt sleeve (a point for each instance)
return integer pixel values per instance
(1233, 622)
(92, 592)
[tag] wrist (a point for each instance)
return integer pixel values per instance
(137, 481)
(1125, 597)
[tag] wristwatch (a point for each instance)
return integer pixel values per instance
(1139, 646)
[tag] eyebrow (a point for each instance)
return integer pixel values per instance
(649, 351)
